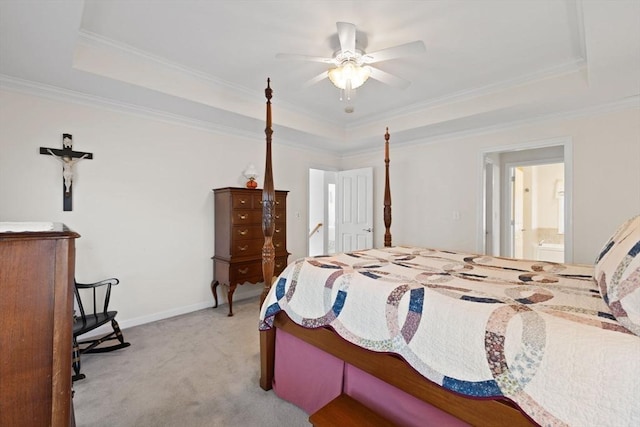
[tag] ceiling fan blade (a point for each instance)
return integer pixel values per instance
(386, 78)
(347, 36)
(297, 57)
(316, 79)
(406, 49)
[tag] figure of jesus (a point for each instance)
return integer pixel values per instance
(67, 168)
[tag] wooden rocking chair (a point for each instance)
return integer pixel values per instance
(93, 319)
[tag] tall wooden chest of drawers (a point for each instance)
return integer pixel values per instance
(239, 238)
(36, 321)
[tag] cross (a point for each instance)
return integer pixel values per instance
(68, 157)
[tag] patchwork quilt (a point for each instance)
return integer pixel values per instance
(538, 333)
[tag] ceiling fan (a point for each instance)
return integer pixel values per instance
(350, 66)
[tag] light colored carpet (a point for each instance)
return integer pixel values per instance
(198, 369)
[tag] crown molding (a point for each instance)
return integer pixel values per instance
(564, 69)
(65, 95)
(93, 40)
(55, 93)
(599, 109)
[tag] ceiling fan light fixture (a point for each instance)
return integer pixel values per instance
(349, 75)
(351, 65)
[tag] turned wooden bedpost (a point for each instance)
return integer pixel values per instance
(268, 205)
(387, 193)
(267, 338)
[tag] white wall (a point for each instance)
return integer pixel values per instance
(143, 205)
(432, 179)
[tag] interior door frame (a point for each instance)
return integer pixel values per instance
(567, 144)
(512, 209)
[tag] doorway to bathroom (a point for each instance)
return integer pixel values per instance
(537, 211)
(526, 206)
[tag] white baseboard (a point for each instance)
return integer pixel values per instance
(240, 294)
(129, 323)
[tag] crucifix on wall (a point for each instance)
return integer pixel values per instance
(68, 158)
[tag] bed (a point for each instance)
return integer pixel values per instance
(432, 337)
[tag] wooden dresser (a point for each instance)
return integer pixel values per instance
(36, 318)
(239, 238)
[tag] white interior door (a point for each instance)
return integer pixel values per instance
(354, 219)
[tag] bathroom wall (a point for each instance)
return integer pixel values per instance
(548, 199)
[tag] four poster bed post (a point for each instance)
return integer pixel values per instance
(268, 202)
(267, 338)
(387, 193)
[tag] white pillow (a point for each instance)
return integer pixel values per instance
(617, 272)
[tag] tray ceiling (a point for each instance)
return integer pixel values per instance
(487, 63)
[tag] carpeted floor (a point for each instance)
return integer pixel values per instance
(198, 369)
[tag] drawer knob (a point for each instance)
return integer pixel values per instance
(243, 216)
(277, 216)
(277, 230)
(243, 201)
(243, 270)
(243, 248)
(277, 245)
(243, 232)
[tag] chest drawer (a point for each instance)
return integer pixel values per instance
(280, 265)
(278, 244)
(243, 201)
(254, 231)
(280, 217)
(280, 201)
(251, 247)
(246, 217)
(252, 271)
(246, 232)
(248, 269)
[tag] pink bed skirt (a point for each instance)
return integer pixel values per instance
(310, 378)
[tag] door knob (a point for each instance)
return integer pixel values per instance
(368, 230)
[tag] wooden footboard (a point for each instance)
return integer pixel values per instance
(392, 370)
